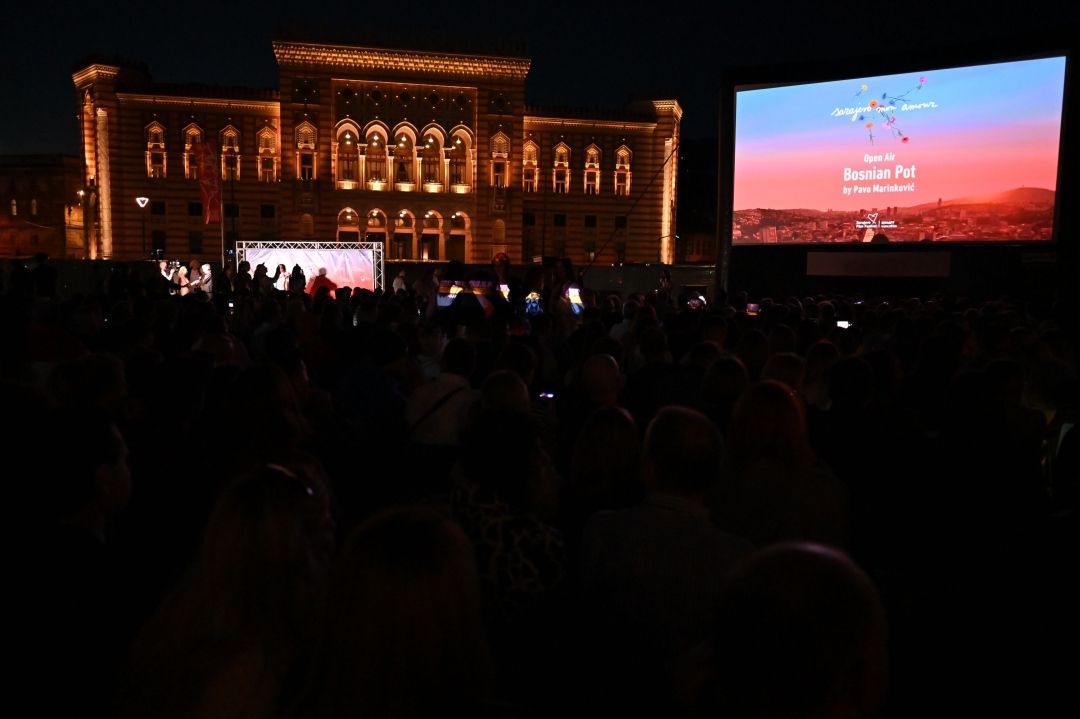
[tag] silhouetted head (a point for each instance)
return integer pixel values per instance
(800, 632)
(606, 464)
(769, 423)
(404, 632)
(600, 381)
(91, 473)
(681, 453)
(459, 357)
(504, 390)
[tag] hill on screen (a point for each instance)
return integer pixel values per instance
(1020, 197)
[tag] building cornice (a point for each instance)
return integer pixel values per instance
(533, 121)
(91, 71)
(203, 102)
(410, 61)
(671, 106)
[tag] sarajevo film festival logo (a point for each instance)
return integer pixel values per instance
(872, 222)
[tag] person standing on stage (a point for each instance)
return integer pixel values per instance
(281, 278)
(297, 280)
(319, 282)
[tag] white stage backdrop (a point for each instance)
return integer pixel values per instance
(351, 267)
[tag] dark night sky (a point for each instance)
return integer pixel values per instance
(584, 53)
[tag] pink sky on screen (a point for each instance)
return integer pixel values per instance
(792, 173)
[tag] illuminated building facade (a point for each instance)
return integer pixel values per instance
(435, 154)
(41, 206)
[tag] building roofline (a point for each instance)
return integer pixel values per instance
(217, 103)
(422, 62)
(586, 123)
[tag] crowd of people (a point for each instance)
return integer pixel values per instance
(181, 279)
(506, 494)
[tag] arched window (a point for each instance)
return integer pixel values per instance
(375, 159)
(348, 225)
(592, 170)
(347, 164)
(457, 239)
(268, 160)
(404, 234)
(460, 155)
(155, 150)
(348, 217)
(560, 174)
(376, 226)
(530, 152)
(500, 159)
(230, 153)
(431, 160)
(623, 157)
(404, 159)
(305, 151)
(192, 137)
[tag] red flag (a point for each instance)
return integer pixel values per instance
(209, 183)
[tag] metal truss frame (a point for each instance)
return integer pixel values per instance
(377, 249)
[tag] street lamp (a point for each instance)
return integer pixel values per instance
(142, 202)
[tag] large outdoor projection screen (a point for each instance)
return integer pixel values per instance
(964, 154)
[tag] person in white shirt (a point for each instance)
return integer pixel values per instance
(281, 279)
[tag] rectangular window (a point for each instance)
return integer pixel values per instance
(528, 182)
(194, 209)
(528, 219)
(157, 164)
(266, 173)
(267, 212)
(560, 220)
(347, 167)
(195, 241)
(590, 182)
(560, 182)
(499, 174)
(232, 209)
(590, 222)
(230, 167)
(157, 239)
(307, 166)
(192, 166)
(621, 187)
(157, 207)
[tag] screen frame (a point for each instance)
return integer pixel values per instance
(736, 79)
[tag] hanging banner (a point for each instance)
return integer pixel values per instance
(209, 183)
